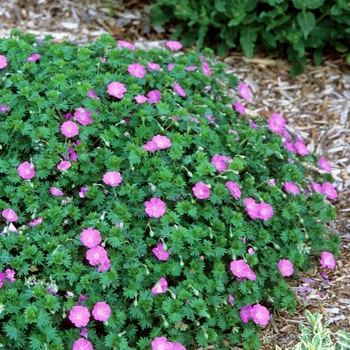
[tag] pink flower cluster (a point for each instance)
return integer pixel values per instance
(153, 96)
(258, 313)
(155, 208)
(162, 343)
(220, 162)
(262, 210)
(326, 188)
(7, 275)
(242, 270)
(158, 142)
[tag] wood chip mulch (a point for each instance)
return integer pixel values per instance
(315, 104)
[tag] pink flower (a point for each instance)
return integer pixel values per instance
(234, 189)
(289, 146)
(9, 215)
(124, 44)
(260, 314)
(171, 66)
(119, 224)
(72, 154)
(103, 60)
(64, 165)
(116, 89)
(10, 275)
(290, 187)
(252, 124)
(329, 190)
(153, 66)
(191, 68)
(82, 115)
(210, 118)
(251, 207)
(162, 142)
(79, 315)
(140, 99)
(155, 208)
(207, 88)
(154, 96)
(150, 146)
(160, 287)
(3, 61)
(286, 267)
(242, 270)
(178, 346)
(201, 190)
(83, 191)
(276, 123)
(26, 170)
(327, 260)
(220, 162)
(34, 57)
(96, 255)
(69, 129)
(244, 91)
(90, 237)
(161, 343)
(55, 191)
(272, 182)
(301, 148)
(4, 108)
(317, 187)
(324, 165)
(160, 253)
(112, 178)
(137, 70)
(246, 313)
(179, 90)
(92, 94)
(82, 344)
(265, 211)
(239, 108)
(105, 265)
(231, 299)
(101, 311)
(35, 222)
(206, 69)
(173, 45)
(194, 119)
(251, 251)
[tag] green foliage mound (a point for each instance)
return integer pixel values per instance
(275, 26)
(138, 208)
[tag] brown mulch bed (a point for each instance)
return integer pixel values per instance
(315, 104)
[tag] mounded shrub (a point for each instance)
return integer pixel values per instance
(139, 208)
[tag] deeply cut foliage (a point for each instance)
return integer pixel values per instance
(50, 255)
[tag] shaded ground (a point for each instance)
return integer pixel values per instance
(316, 105)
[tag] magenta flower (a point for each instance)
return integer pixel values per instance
(154, 96)
(246, 313)
(161, 343)
(141, 99)
(2, 278)
(289, 146)
(10, 275)
(150, 146)
(92, 94)
(251, 207)
(272, 182)
(329, 190)
(79, 315)
(64, 165)
(101, 311)
(244, 91)
(239, 108)
(260, 314)
(242, 270)
(178, 346)
(173, 45)
(231, 299)
(324, 165)
(137, 70)
(69, 129)
(171, 66)
(90, 237)
(317, 187)
(36, 222)
(301, 148)
(116, 89)
(84, 332)
(153, 66)
(82, 344)
(124, 44)
(26, 170)
(155, 208)
(179, 90)
(83, 191)
(210, 118)
(103, 60)
(4, 108)
(160, 287)
(34, 57)
(327, 260)
(9, 215)
(265, 211)
(112, 178)
(201, 190)
(290, 187)
(82, 115)
(55, 191)
(234, 189)
(206, 69)
(3, 61)
(252, 124)
(162, 142)
(276, 123)
(207, 88)
(72, 154)
(251, 251)
(96, 255)
(191, 68)
(194, 119)
(160, 253)
(105, 265)
(220, 162)
(286, 267)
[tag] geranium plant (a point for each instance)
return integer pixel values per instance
(140, 209)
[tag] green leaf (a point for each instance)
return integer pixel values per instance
(247, 40)
(306, 21)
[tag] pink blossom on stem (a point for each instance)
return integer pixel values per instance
(83, 191)
(289, 146)
(191, 68)
(10, 275)
(82, 344)
(234, 189)
(150, 146)
(210, 118)
(101, 311)
(105, 265)
(161, 343)
(171, 66)
(137, 70)
(201, 190)
(155, 208)
(231, 299)
(276, 123)
(244, 91)
(140, 99)
(272, 182)
(301, 148)
(291, 187)
(260, 314)
(179, 90)
(206, 69)
(160, 253)
(154, 96)
(252, 124)
(116, 89)
(178, 346)
(90, 237)
(34, 57)
(4, 108)
(207, 88)
(26, 170)
(327, 260)
(162, 142)
(246, 313)
(153, 66)
(69, 129)
(92, 94)
(82, 115)
(64, 165)
(239, 108)
(286, 267)
(160, 287)
(55, 191)
(324, 165)
(251, 207)
(3, 61)
(96, 255)
(251, 251)
(9, 215)
(36, 222)
(112, 178)
(242, 270)
(329, 190)
(124, 44)
(79, 315)
(317, 187)
(173, 45)
(220, 162)
(84, 332)
(265, 211)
